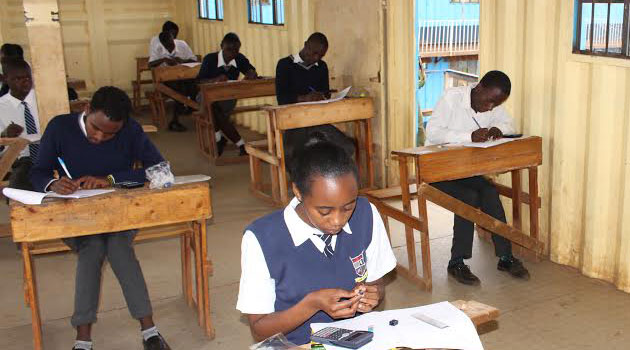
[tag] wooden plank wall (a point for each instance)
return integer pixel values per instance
(580, 105)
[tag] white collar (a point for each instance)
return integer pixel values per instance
(82, 124)
(299, 230)
(28, 99)
(221, 61)
(298, 60)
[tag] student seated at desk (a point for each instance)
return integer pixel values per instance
(321, 258)
(99, 147)
(8, 52)
(18, 116)
(172, 52)
(227, 64)
(474, 113)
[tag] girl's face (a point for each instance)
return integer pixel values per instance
(330, 203)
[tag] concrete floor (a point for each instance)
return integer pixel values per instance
(556, 309)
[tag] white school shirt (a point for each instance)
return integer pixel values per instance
(257, 290)
(12, 110)
(158, 51)
(221, 61)
(297, 59)
(452, 120)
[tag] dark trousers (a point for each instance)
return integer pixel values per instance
(479, 193)
(187, 88)
(221, 112)
(19, 177)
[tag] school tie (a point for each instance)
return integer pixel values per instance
(328, 249)
(31, 128)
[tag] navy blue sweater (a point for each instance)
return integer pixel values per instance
(209, 69)
(64, 138)
(293, 80)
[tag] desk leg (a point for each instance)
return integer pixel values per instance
(369, 151)
(425, 244)
(198, 273)
(282, 173)
(205, 278)
(357, 151)
(31, 291)
(273, 170)
(517, 217)
(533, 207)
(406, 202)
(186, 268)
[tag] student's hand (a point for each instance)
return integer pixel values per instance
(171, 61)
(480, 135)
(220, 78)
(370, 296)
(64, 186)
(311, 96)
(13, 130)
(251, 75)
(329, 301)
(495, 133)
(92, 182)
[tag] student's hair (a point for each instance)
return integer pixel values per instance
(169, 25)
(113, 102)
(15, 64)
(12, 51)
(320, 157)
(230, 38)
(318, 38)
(497, 79)
(165, 37)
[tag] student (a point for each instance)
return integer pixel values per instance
(8, 52)
(99, 148)
(173, 52)
(321, 258)
(474, 113)
(168, 26)
(18, 116)
(227, 64)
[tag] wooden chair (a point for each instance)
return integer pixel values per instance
(358, 111)
(213, 92)
(164, 74)
(142, 65)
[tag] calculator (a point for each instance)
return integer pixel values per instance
(342, 337)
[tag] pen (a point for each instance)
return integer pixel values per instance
(311, 89)
(63, 165)
(476, 122)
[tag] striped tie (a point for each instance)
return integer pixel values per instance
(328, 249)
(31, 128)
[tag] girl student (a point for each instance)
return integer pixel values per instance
(321, 258)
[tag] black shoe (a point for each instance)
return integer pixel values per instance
(221, 145)
(242, 151)
(176, 126)
(514, 267)
(156, 342)
(461, 272)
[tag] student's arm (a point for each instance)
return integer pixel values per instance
(325, 83)
(284, 94)
(439, 129)
(206, 73)
(144, 151)
(42, 172)
(246, 67)
(168, 60)
(187, 55)
(502, 121)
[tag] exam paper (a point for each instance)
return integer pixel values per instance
(33, 198)
(411, 332)
(486, 144)
(337, 96)
(191, 64)
(186, 179)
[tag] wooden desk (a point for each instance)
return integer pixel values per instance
(165, 74)
(142, 209)
(358, 111)
(443, 163)
(229, 90)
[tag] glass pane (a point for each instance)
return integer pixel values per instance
(615, 28)
(203, 9)
(267, 12)
(585, 29)
(212, 9)
(599, 28)
(254, 12)
(280, 6)
(220, 6)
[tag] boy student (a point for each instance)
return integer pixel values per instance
(227, 64)
(168, 26)
(474, 113)
(173, 52)
(8, 52)
(99, 148)
(321, 258)
(18, 116)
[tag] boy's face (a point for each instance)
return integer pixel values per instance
(230, 51)
(20, 82)
(169, 43)
(331, 202)
(100, 128)
(486, 99)
(313, 52)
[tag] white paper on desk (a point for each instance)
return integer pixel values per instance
(486, 144)
(33, 198)
(32, 138)
(191, 64)
(337, 96)
(186, 179)
(413, 333)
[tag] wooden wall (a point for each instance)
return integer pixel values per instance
(580, 105)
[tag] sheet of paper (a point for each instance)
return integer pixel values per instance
(34, 198)
(337, 96)
(413, 333)
(191, 64)
(31, 137)
(486, 144)
(190, 178)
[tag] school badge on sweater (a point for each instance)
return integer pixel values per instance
(360, 267)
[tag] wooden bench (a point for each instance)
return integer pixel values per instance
(142, 65)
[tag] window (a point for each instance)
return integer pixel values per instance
(266, 12)
(601, 28)
(465, 1)
(211, 9)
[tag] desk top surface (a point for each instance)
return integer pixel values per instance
(445, 148)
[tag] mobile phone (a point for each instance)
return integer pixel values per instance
(513, 136)
(128, 184)
(342, 337)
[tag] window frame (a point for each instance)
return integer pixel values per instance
(577, 30)
(274, 5)
(216, 9)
